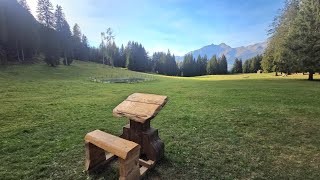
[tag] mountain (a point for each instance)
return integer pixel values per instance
(243, 52)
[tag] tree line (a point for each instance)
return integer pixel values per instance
(294, 45)
(24, 38)
(251, 65)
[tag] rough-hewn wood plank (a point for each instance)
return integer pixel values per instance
(143, 171)
(148, 98)
(140, 107)
(112, 144)
(136, 111)
(148, 164)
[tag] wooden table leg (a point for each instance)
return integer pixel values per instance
(147, 137)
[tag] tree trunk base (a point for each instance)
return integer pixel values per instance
(310, 77)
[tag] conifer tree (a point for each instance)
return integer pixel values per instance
(304, 37)
(223, 65)
(24, 4)
(63, 29)
(45, 13)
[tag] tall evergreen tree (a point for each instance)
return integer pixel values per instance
(237, 66)
(223, 65)
(304, 37)
(76, 42)
(188, 66)
(19, 37)
(213, 66)
(64, 33)
(45, 13)
(122, 58)
(107, 38)
(278, 57)
(24, 4)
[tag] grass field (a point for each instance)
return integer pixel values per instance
(252, 126)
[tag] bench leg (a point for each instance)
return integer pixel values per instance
(94, 156)
(130, 168)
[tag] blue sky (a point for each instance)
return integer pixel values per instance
(178, 25)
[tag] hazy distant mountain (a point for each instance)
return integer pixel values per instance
(243, 52)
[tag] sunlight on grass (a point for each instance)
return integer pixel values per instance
(222, 127)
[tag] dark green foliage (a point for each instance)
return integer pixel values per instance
(295, 42)
(76, 42)
(213, 66)
(189, 67)
(64, 36)
(22, 37)
(237, 66)
(246, 67)
(252, 65)
(223, 65)
(163, 63)
(136, 57)
(121, 62)
(217, 66)
(201, 65)
(19, 36)
(50, 47)
(304, 37)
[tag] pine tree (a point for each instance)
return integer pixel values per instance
(122, 57)
(213, 66)
(237, 66)
(223, 65)
(76, 42)
(19, 37)
(106, 39)
(304, 36)
(188, 66)
(24, 4)
(278, 57)
(45, 13)
(63, 28)
(246, 66)
(203, 66)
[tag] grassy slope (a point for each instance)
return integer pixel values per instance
(213, 127)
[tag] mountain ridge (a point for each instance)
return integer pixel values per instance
(242, 52)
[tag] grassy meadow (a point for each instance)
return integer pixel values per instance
(249, 126)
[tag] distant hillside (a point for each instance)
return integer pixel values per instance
(243, 52)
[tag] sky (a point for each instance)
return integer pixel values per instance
(179, 25)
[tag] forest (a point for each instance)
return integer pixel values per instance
(25, 39)
(293, 46)
(294, 43)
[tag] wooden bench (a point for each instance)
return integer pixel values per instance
(97, 143)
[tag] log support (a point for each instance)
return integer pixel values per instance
(147, 137)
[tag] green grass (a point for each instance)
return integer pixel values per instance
(252, 126)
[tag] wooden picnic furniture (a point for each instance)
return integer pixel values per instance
(97, 143)
(141, 109)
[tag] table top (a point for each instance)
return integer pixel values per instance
(140, 107)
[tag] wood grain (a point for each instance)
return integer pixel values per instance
(113, 144)
(140, 107)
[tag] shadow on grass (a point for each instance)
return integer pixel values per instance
(154, 173)
(110, 170)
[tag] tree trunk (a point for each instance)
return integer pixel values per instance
(18, 53)
(22, 52)
(276, 73)
(310, 76)
(65, 58)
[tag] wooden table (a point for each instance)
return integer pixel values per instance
(140, 109)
